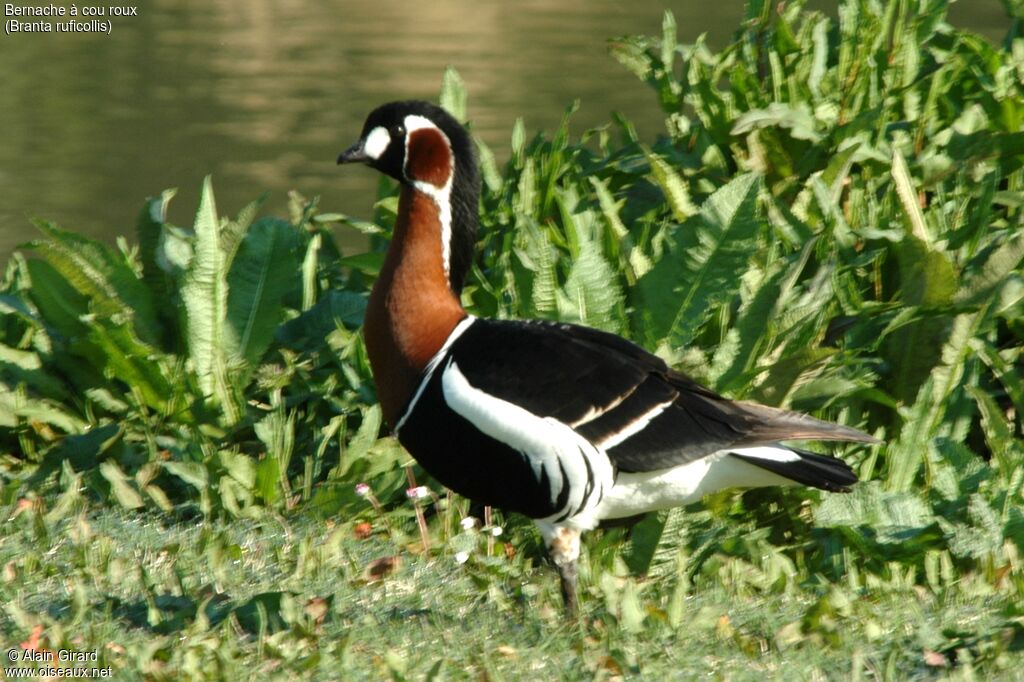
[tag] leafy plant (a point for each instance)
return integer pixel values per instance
(159, 372)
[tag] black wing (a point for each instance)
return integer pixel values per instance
(622, 398)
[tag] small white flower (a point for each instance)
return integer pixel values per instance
(420, 492)
(461, 557)
(468, 523)
(362, 489)
(496, 531)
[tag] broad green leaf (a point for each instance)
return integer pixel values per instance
(924, 420)
(262, 274)
(102, 276)
(136, 364)
(991, 272)
(310, 265)
(820, 59)
(239, 468)
(277, 432)
(20, 366)
(643, 540)
(369, 430)
(335, 309)
(232, 232)
(752, 329)
(928, 279)
(205, 296)
(892, 517)
(702, 268)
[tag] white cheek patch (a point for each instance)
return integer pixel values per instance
(376, 142)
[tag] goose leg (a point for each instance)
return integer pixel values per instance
(563, 545)
(567, 572)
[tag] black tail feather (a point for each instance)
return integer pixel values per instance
(812, 469)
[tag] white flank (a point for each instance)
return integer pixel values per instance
(376, 142)
(635, 426)
(460, 328)
(547, 444)
(440, 195)
(638, 493)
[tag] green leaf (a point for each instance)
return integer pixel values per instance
(19, 366)
(797, 119)
(17, 409)
(928, 279)
(990, 272)
(60, 305)
(590, 294)
(892, 517)
(676, 190)
(102, 276)
(701, 269)
(123, 487)
(369, 263)
(536, 279)
(924, 420)
(644, 538)
(193, 473)
(908, 197)
(277, 432)
(136, 364)
(820, 59)
(205, 297)
(357, 448)
(334, 309)
(239, 468)
(261, 275)
(453, 94)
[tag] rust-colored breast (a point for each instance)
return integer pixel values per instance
(412, 309)
(428, 157)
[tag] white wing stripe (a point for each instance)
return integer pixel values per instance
(635, 426)
(599, 410)
(549, 446)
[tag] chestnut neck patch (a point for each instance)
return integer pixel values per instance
(428, 157)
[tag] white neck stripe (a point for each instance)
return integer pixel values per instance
(431, 366)
(441, 196)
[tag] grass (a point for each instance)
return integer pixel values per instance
(197, 483)
(166, 601)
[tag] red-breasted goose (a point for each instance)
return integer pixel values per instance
(565, 424)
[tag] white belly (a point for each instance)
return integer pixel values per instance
(637, 493)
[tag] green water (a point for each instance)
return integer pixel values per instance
(264, 94)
